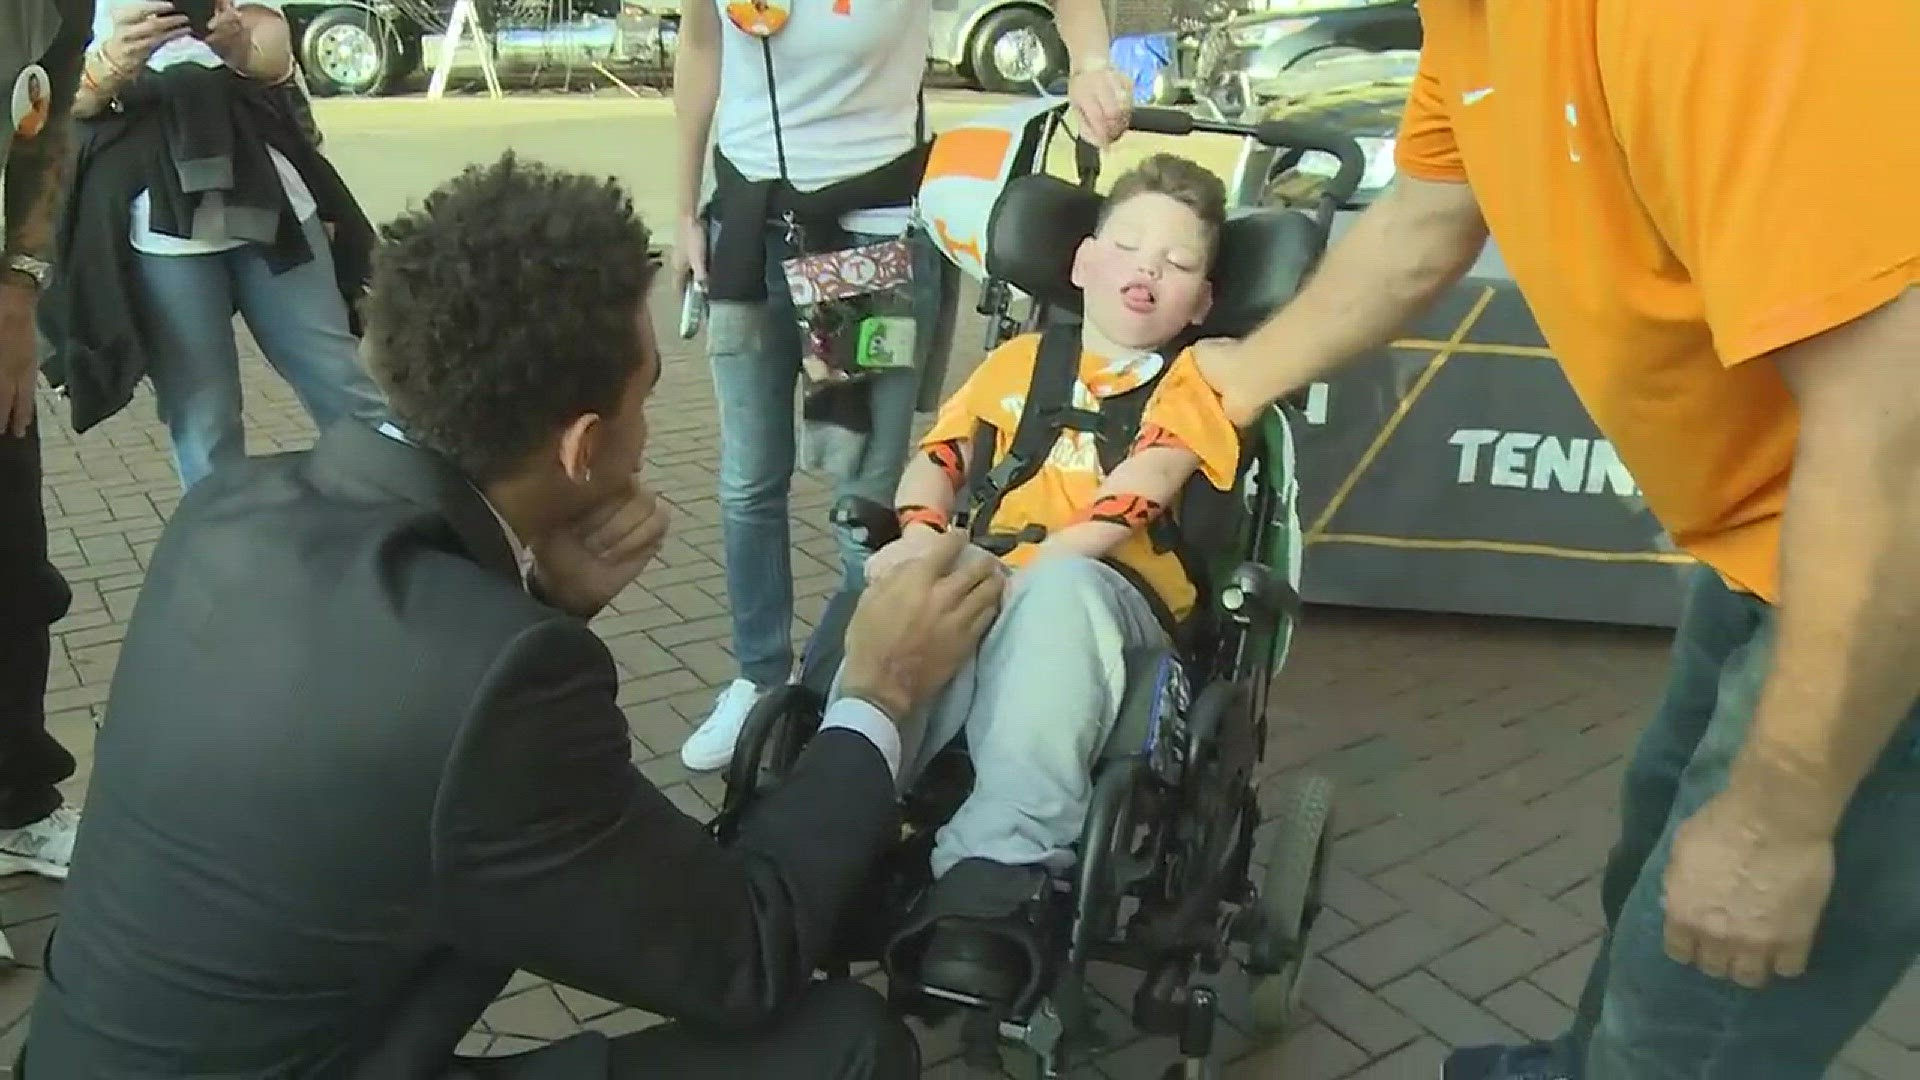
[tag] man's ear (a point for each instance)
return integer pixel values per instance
(579, 445)
(1082, 256)
(1204, 305)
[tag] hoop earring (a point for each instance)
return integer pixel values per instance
(586, 476)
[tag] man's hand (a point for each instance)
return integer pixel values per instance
(1102, 100)
(139, 29)
(19, 357)
(914, 628)
(1225, 365)
(584, 566)
(1745, 889)
(229, 37)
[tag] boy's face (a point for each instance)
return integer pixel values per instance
(1143, 276)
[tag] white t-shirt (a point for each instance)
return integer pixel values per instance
(192, 51)
(847, 74)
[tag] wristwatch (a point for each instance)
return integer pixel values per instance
(34, 270)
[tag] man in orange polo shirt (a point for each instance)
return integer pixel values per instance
(1711, 210)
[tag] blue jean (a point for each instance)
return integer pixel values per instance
(1645, 1017)
(755, 350)
(298, 317)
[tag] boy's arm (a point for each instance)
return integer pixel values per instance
(928, 489)
(930, 484)
(1184, 430)
(1135, 494)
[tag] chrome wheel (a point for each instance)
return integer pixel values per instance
(1019, 56)
(348, 56)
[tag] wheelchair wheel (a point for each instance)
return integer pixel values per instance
(1289, 904)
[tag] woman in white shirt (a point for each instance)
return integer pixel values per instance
(190, 286)
(813, 110)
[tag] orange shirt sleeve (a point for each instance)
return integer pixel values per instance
(1189, 409)
(1776, 153)
(1426, 149)
(1005, 372)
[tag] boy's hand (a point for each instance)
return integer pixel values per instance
(915, 541)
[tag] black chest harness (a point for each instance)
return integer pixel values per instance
(1049, 412)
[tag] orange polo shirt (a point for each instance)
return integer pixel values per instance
(1682, 187)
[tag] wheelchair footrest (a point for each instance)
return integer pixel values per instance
(977, 936)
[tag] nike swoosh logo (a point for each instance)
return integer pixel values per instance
(1473, 97)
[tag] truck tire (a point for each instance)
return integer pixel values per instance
(351, 52)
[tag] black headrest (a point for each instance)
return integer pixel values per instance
(1038, 222)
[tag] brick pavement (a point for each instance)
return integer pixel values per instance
(1477, 763)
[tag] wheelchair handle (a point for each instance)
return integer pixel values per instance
(1289, 134)
(870, 524)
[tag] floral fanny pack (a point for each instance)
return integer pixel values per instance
(856, 311)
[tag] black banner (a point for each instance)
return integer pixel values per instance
(1458, 472)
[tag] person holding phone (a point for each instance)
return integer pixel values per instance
(271, 232)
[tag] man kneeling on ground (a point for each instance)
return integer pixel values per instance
(363, 757)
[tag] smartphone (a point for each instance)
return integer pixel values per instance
(693, 310)
(198, 12)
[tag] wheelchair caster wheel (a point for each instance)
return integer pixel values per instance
(1275, 1001)
(1289, 904)
(1202, 1069)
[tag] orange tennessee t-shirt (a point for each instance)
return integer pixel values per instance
(1182, 404)
(1681, 187)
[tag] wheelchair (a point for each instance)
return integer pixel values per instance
(1163, 879)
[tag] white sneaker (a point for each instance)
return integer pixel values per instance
(44, 847)
(710, 746)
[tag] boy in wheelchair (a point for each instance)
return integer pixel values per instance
(1079, 530)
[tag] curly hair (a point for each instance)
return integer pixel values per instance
(506, 305)
(1180, 179)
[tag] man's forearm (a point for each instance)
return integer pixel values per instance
(1401, 254)
(1845, 670)
(35, 178)
(37, 168)
(1084, 31)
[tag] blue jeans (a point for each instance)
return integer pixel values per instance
(1644, 1017)
(755, 350)
(298, 317)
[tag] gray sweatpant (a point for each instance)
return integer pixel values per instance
(1036, 703)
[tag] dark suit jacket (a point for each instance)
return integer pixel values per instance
(351, 776)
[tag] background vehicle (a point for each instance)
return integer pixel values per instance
(1009, 46)
(359, 47)
(1249, 58)
(1000, 45)
(1361, 96)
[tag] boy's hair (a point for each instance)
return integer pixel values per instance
(1179, 179)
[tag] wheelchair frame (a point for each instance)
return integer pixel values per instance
(1194, 792)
